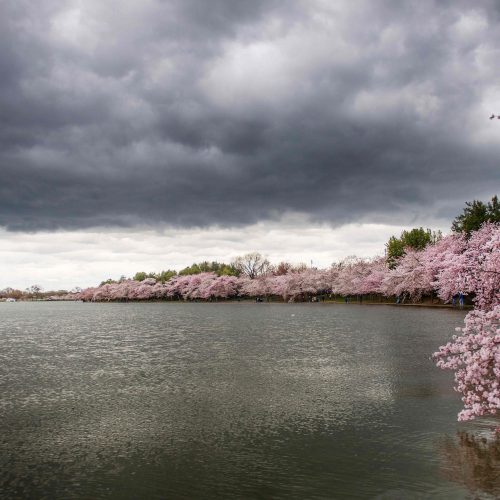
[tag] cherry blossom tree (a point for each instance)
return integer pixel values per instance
(474, 355)
(374, 277)
(476, 270)
(224, 287)
(409, 278)
(256, 287)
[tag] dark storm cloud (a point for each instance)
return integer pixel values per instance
(193, 113)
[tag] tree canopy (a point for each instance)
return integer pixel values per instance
(475, 214)
(219, 268)
(416, 238)
(252, 265)
(162, 276)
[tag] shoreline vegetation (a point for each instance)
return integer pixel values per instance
(441, 271)
(418, 267)
(249, 300)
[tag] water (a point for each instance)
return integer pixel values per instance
(236, 400)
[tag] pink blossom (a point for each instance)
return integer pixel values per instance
(475, 357)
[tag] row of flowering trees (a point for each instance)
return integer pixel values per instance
(451, 266)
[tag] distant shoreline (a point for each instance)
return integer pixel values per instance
(250, 301)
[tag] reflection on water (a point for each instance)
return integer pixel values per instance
(172, 400)
(472, 461)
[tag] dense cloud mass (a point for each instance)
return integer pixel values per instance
(194, 112)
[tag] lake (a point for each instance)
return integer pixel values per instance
(233, 400)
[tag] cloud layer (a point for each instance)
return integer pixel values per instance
(190, 113)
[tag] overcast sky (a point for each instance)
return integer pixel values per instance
(148, 134)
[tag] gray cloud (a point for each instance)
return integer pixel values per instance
(193, 113)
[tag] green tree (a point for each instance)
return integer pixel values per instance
(219, 268)
(475, 214)
(494, 209)
(228, 270)
(394, 250)
(140, 276)
(417, 238)
(192, 269)
(164, 276)
(109, 281)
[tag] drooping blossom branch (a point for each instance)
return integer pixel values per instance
(474, 356)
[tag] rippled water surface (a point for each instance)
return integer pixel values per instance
(173, 400)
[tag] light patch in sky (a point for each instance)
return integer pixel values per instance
(64, 260)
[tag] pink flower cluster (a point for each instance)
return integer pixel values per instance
(475, 357)
(197, 286)
(475, 270)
